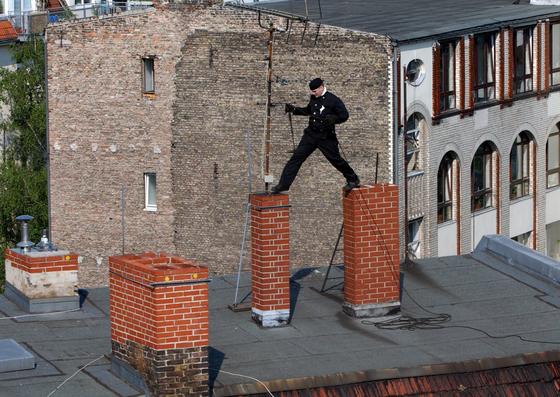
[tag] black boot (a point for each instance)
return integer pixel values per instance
(352, 184)
(279, 189)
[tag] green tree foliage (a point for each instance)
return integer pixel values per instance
(23, 176)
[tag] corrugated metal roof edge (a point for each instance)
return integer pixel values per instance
(341, 378)
(443, 36)
(481, 28)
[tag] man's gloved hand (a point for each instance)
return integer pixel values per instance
(331, 119)
(289, 108)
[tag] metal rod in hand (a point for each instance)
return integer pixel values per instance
(268, 106)
(292, 131)
(376, 166)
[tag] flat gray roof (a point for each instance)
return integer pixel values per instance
(322, 346)
(406, 20)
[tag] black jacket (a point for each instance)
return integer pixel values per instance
(324, 112)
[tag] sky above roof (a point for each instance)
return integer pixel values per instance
(405, 20)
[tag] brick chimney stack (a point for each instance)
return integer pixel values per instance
(270, 259)
(371, 251)
(159, 323)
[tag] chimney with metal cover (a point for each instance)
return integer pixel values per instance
(40, 278)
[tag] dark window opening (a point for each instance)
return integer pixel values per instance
(481, 178)
(519, 166)
(445, 189)
(523, 55)
(553, 159)
(484, 67)
(148, 84)
(555, 53)
(447, 84)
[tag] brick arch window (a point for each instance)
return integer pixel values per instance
(553, 158)
(447, 180)
(519, 160)
(482, 177)
(417, 129)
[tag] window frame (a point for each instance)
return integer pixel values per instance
(485, 85)
(445, 206)
(553, 171)
(527, 40)
(551, 49)
(486, 193)
(148, 206)
(147, 60)
(442, 93)
(524, 181)
(414, 247)
(413, 155)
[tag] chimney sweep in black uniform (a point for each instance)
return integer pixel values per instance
(324, 110)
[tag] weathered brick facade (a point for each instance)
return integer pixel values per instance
(210, 94)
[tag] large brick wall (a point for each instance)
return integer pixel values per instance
(210, 83)
(221, 88)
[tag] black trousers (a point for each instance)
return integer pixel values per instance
(309, 142)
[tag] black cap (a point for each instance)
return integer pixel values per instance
(315, 83)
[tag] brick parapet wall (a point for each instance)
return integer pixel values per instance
(270, 255)
(42, 264)
(371, 245)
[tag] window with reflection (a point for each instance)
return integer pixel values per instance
(519, 166)
(523, 58)
(416, 127)
(485, 67)
(447, 84)
(445, 189)
(481, 178)
(553, 158)
(555, 53)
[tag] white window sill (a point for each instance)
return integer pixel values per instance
(447, 223)
(483, 211)
(150, 209)
(520, 199)
(414, 173)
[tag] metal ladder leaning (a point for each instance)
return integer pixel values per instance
(332, 263)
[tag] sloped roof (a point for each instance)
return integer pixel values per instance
(7, 31)
(54, 4)
(541, 379)
(407, 20)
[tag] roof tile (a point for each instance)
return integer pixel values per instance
(7, 31)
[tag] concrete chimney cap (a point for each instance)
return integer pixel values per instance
(24, 218)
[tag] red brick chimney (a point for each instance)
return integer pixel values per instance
(270, 259)
(159, 315)
(371, 251)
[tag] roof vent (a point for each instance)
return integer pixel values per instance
(24, 244)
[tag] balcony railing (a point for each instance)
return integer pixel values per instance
(28, 22)
(96, 9)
